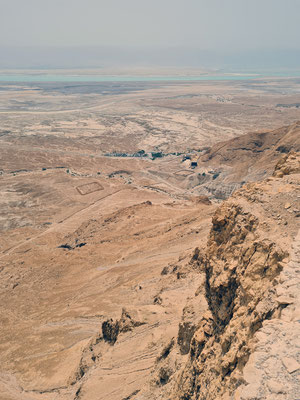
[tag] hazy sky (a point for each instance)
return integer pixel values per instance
(205, 24)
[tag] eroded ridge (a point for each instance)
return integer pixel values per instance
(245, 344)
(272, 371)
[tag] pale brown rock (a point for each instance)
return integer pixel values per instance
(243, 262)
(213, 325)
(290, 364)
(276, 387)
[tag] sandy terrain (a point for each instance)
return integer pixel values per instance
(87, 232)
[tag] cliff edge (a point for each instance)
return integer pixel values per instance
(245, 344)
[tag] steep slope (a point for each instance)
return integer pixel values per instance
(116, 301)
(251, 278)
(247, 158)
(62, 294)
(258, 147)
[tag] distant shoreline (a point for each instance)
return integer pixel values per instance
(45, 77)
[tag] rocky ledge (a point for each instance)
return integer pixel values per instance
(244, 345)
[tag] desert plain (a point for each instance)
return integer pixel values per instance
(106, 190)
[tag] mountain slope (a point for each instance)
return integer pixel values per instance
(251, 273)
(254, 155)
(145, 296)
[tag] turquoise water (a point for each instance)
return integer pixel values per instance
(119, 78)
(99, 78)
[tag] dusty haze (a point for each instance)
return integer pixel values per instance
(235, 33)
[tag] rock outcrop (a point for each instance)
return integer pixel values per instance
(209, 311)
(272, 371)
(244, 264)
(240, 268)
(111, 329)
(290, 164)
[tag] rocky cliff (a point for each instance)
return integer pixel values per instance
(208, 297)
(250, 272)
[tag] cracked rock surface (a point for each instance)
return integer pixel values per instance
(246, 345)
(273, 369)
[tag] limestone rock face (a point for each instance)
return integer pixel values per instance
(111, 328)
(247, 254)
(240, 269)
(290, 164)
(191, 319)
